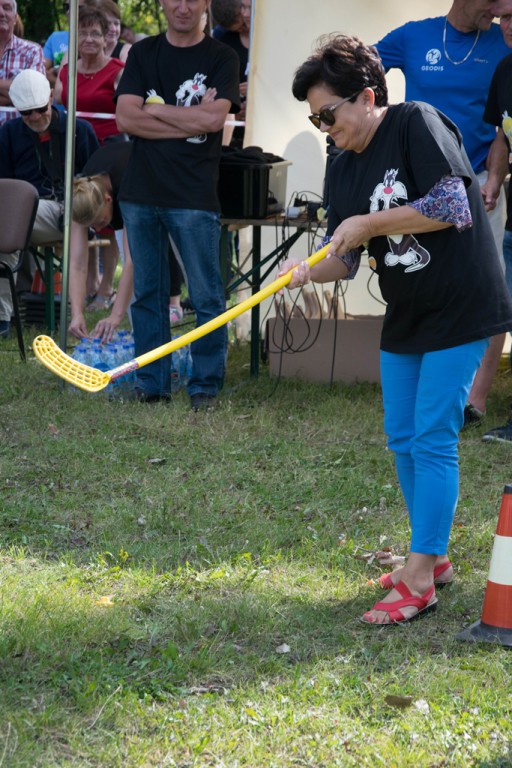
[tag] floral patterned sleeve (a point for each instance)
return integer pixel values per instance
(447, 201)
(351, 259)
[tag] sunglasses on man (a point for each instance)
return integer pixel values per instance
(38, 110)
(326, 115)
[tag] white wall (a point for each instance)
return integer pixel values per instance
(283, 37)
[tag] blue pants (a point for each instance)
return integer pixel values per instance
(424, 397)
(196, 235)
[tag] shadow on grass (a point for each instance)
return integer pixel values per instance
(208, 633)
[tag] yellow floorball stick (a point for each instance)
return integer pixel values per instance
(92, 380)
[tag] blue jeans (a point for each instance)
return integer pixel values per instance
(196, 235)
(424, 397)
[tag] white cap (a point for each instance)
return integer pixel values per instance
(29, 90)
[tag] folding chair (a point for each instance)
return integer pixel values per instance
(18, 208)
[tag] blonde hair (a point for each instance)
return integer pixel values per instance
(88, 198)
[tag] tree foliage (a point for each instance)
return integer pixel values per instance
(42, 17)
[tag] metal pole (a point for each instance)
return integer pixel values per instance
(69, 168)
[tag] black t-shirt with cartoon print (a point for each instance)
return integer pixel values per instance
(178, 173)
(442, 288)
(498, 111)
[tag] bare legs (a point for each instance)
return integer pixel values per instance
(485, 375)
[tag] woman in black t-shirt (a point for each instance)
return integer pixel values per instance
(404, 188)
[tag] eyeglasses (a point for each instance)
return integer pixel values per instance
(28, 112)
(326, 115)
(93, 35)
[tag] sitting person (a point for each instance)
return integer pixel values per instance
(33, 148)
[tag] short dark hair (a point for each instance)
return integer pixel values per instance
(89, 15)
(106, 6)
(226, 12)
(345, 65)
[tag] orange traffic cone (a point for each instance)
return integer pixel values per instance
(39, 286)
(495, 626)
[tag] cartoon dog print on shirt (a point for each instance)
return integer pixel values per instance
(403, 249)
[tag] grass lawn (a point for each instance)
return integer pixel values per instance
(183, 589)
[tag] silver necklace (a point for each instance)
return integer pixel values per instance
(468, 54)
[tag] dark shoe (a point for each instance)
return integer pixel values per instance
(5, 327)
(501, 434)
(144, 397)
(137, 394)
(472, 416)
(203, 402)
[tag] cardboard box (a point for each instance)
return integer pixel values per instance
(309, 346)
(252, 191)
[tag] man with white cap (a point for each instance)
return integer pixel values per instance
(33, 148)
(16, 54)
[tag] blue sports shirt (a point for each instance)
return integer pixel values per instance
(458, 90)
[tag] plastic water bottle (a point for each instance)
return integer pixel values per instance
(188, 365)
(131, 344)
(110, 361)
(176, 370)
(95, 355)
(126, 355)
(121, 336)
(79, 354)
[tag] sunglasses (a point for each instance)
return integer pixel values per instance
(326, 115)
(38, 110)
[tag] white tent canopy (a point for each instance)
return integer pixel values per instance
(284, 33)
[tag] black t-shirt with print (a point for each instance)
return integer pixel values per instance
(442, 288)
(498, 111)
(178, 173)
(111, 158)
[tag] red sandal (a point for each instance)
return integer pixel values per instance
(386, 582)
(424, 603)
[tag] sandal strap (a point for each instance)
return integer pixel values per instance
(441, 568)
(393, 609)
(385, 581)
